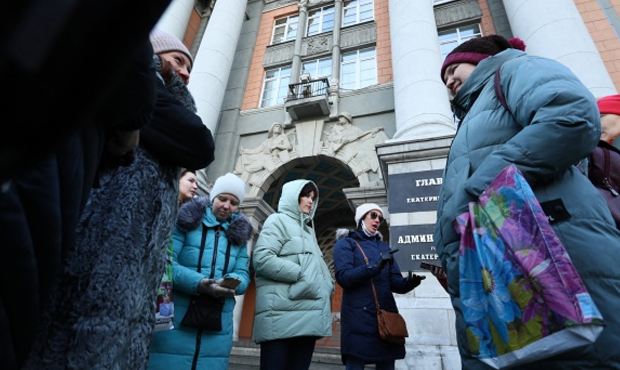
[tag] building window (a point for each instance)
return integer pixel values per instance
(358, 69)
(357, 11)
(320, 20)
(275, 86)
(453, 37)
(284, 29)
(437, 2)
(317, 68)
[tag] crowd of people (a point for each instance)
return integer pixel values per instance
(90, 220)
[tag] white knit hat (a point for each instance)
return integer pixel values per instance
(230, 184)
(163, 42)
(363, 209)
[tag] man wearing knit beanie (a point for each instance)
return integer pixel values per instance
(173, 54)
(609, 106)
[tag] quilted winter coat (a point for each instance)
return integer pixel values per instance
(554, 123)
(175, 349)
(293, 283)
(359, 328)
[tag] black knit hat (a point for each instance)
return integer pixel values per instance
(475, 50)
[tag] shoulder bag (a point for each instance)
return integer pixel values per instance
(205, 311)
(391, 325)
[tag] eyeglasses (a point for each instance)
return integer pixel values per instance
(374, 215)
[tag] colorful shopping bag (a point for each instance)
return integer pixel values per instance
(522, 298)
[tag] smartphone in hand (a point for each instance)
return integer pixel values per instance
(229, 283)
(431, 267)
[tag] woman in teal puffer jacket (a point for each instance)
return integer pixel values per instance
(548, 123)
(293, 283)
(225, 232)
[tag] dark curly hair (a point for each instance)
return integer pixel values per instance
(306, 190)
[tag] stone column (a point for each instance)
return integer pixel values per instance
(334, 81)
(336, 41)
(213, 61)
(554, 29)
(176, 17)
(421, 100)
(301, 30)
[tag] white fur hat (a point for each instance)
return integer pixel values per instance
(230, 184)
(365, 208)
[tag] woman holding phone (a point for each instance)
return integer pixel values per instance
(210, 267)
(364, 264)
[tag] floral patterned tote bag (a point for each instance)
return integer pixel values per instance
(522, 298)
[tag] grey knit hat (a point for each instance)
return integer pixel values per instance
(163, 42)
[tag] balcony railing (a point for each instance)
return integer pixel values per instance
(308, 89)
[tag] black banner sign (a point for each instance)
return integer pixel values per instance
(415, 191)
(415, 244)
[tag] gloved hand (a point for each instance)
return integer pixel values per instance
(385, 259)
(415, 279)
(212, 288)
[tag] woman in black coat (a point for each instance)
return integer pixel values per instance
(360, 341)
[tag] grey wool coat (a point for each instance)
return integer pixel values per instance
(554, 123)
(102, 313)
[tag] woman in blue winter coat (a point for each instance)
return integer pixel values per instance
(543, 120)
(224, 232)
(361, 258)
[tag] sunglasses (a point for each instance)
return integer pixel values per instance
(373, 216)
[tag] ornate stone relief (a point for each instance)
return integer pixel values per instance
(342, 140)
(317, 44)
(254, 164)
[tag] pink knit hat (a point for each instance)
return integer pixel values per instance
(163, 42)
(475, 50)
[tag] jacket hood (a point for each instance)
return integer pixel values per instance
(192, 213)
(289, 204)
(467, 95)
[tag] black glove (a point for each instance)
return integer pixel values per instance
(385, 259)
(212, 288)
(415, 279)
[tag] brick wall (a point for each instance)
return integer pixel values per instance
(263, 38)
(486, 23)
(384, 50)
(603, 34)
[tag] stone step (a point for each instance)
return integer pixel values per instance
(248, 358)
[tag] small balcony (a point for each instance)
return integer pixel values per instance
(308, 98)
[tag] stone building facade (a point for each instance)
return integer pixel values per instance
(347, 93)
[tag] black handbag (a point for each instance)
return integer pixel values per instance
(205, 311)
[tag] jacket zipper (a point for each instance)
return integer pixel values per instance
(607, 164)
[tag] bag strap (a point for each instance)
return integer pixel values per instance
(372, 284)
(202, 247)
(499, 91)
(227, 259)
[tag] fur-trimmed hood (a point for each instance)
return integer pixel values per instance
(346, 233)
(238, 228)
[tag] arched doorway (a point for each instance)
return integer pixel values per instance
(333, 212)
